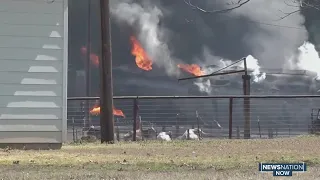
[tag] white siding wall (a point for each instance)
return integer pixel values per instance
(33, 67)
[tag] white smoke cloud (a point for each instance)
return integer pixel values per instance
(252, 64)
(204, 85)
(146, 18)
(308, 58)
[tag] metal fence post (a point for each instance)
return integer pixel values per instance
(177, 125)
(76, 135)
(118, 133)
(73, 132)
(198, 125)
(82, 109)
(259, 127)
(230, 117)
(141, 127)
(135, 114)
(238, 132)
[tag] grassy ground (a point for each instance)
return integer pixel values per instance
(217, 159)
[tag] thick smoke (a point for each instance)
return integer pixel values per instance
(269, 43)
(145, 19)
(253, 31)
(269, 39)
(273, 45)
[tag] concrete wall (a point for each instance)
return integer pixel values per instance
(33, 71)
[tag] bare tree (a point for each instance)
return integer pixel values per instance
(234, 5)
(299, 4)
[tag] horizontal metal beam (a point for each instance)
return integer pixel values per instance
(211, 75)
(202, 97)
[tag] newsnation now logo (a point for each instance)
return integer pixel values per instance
(282, 169)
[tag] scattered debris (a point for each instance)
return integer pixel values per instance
(16, 162)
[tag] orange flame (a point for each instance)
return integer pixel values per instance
(142, 59)
(192, 68)
(116, 112)
(93, 57)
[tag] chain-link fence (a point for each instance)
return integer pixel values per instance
(217, 116)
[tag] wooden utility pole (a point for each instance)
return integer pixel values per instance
(106, 85)
(246, 101)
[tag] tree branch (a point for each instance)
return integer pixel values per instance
(301, 5)
(306, 4)
(292, 5)
(288, 14)
(238, 5)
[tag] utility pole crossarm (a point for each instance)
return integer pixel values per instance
(212, 74)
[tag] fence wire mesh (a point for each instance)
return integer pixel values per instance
(269, 117)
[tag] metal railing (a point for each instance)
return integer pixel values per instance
(218, 116)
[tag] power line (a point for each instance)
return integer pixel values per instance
(261, 23)
(275, 25)
(267, 24)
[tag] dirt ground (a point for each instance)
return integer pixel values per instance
(216, 159)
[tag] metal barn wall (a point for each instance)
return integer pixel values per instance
(33, 71)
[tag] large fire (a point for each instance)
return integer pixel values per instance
(96, 111)
(93, 57)
(142, 59)
(192, 68)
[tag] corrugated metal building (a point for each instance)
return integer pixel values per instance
(33, 72)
